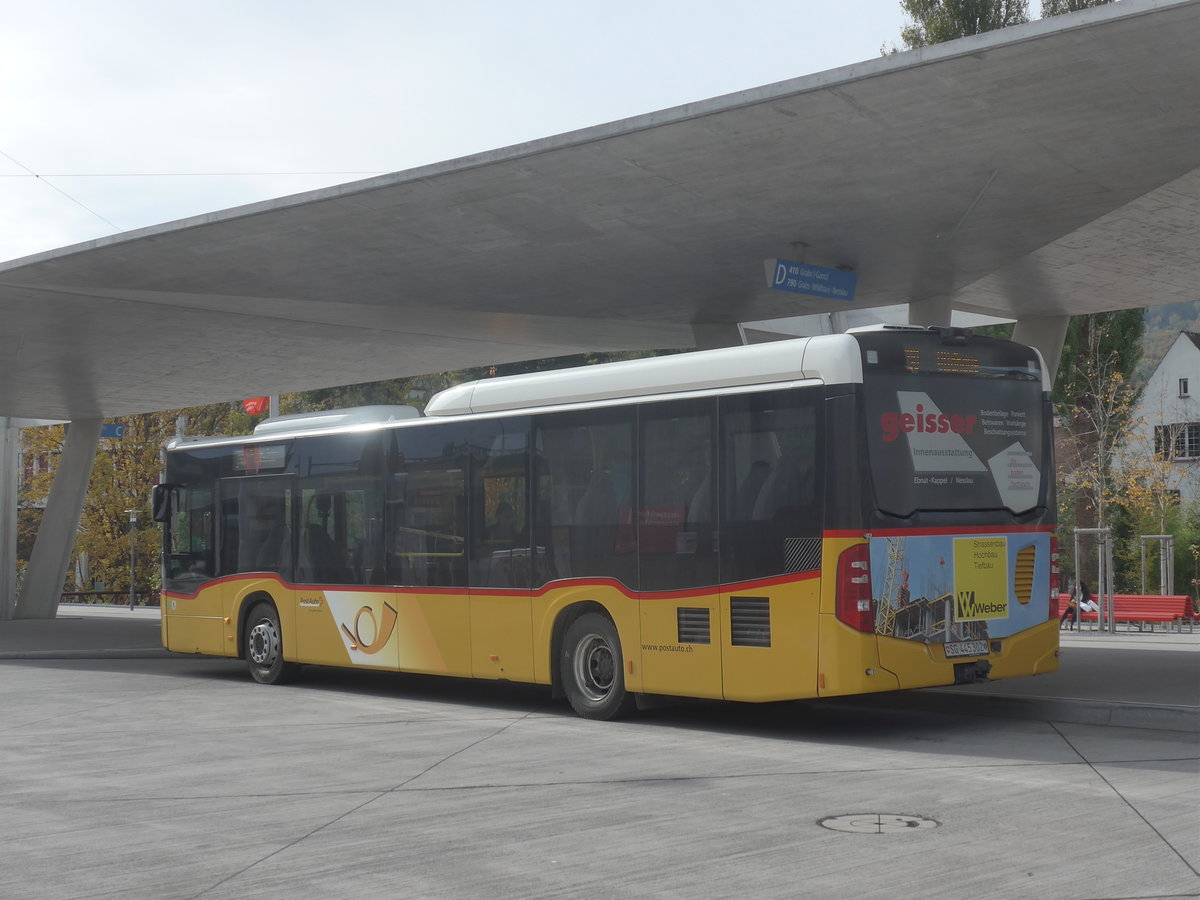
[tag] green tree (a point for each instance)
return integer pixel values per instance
(1147, 503)
(935, 21)
(1058, 7)
(1093, 430)
(1096, 346)
(1094, 396)
(1187, 556)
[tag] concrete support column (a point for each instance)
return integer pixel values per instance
(43, 584)
(10, 436)
(930, 311)
(713, 335)
(1047, 334)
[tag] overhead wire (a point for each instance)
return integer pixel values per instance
(30, 173)
(78, 203)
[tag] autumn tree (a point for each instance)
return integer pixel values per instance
(123, 473)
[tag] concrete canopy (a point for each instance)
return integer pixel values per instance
(1044, 170)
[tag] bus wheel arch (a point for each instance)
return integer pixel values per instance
(248, 604)
(589, 663)
(562, 622)
(261, 643)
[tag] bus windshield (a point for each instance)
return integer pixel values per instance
(954, 425)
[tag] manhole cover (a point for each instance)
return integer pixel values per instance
(876, 823)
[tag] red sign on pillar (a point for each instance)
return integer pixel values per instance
(256, 406)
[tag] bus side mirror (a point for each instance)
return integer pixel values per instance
(160, 502)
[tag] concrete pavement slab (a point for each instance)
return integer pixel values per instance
(82, 631)
(1139, 679)
(180, 777)
(1134, 679)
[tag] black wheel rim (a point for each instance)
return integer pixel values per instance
(595, 667)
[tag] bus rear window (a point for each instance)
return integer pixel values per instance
(957, 427)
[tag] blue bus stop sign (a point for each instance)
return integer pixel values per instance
(816, 281)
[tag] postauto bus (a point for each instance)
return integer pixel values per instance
(816, 517)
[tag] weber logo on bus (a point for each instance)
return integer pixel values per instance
(980, 578)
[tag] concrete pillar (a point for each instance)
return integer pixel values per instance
(43, 584)
(1047, 334)
(10, 436)
(712, 335)
(930, 311)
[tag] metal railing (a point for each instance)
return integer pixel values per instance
(110, 598)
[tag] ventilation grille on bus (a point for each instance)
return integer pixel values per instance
(694, 626)
(750, 621)
(801, 554)
(1023, 576)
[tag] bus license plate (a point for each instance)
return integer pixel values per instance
(967, 648)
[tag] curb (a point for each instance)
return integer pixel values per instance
(130, 653)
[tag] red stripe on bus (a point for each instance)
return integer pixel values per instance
(974, 529)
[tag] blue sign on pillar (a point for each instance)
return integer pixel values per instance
(112, 431)
(816, 281)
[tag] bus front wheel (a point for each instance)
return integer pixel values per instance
(592, 670)
(264, 647)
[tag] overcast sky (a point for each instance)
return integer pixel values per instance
(129, 113)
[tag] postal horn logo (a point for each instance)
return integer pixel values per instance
(374, 637)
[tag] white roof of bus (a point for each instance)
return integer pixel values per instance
(824, 359)
(832, 359)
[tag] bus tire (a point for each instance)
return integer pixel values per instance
(264, 647)
(592, 668)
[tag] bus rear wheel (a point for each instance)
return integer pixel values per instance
(593, 674)
(264, 647)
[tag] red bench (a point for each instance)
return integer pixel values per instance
(1142, 610)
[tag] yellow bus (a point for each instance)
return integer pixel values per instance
(816, 517)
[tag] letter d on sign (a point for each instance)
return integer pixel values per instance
(780, 273)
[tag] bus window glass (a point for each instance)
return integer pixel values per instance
(191, 547)
(676, 510)
(339, 532)
(965, 438)
(256, 521)
(584, 505)
(501, 551)
(427, 506)
(771, 498)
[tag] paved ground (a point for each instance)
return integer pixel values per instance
(130, 773)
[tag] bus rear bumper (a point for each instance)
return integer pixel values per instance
(1031, 652)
